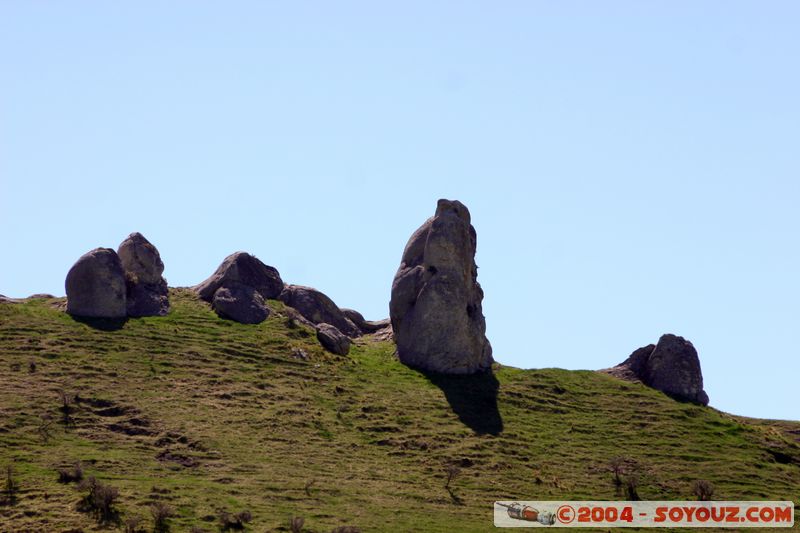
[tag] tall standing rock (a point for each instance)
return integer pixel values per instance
(95, 286)
(435, 308)
(671, 366)
(146, 287)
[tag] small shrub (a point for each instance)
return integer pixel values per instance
(100, 499)
(452, 473)
(66, 399)
(44, 429)
(32, 366)
(704, 490)
(617, 466)
(237, 521)
(133, 524)
(161, 514)
(11, 486)
(296, 524)
(71, 474)
(631, 485)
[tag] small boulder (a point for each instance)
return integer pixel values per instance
(317, 308)
(147, 291)
(243, 269)
(96, 287)
(332, 339)
(366, 326)
(240, 303)
(436, 304)
(671, 366)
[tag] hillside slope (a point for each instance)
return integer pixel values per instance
(210, 415)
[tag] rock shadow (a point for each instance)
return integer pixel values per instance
(473, 399)
(103, 324)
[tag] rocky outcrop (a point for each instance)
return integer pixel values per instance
(332, 339)
(147, 292)
(435, 307)
(671, 366)
(237, 290)
(240, 303)
(241, 268)
(96, 286)
(317, 308)
(366, 326)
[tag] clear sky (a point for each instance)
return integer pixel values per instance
(632, 168)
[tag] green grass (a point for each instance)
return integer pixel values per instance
(210, 415)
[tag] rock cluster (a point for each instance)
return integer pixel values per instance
(107, 284)
(671, 366)
(317, 308)
(435, 307)
(239, 288)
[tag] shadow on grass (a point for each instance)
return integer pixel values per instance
(473, 399)
(104, 324)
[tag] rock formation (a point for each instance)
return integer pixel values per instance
(240, 303)
(317, 308)
(366, 326)
(96, 286)
(435, 307)
(671, 366)
(246, 282)
(147, 290)
(332, 339)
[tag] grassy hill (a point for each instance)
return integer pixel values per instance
(209, 416)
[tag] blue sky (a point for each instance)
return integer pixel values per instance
(632, 168)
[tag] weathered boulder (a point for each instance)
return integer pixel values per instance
(239, 287)
(671, 366)
(147, 292)
(141, 259)
(243, 269)
(95, 286)
(332, 339)
(435, 308)
(317, 308)
(366, 326)
(240, 303)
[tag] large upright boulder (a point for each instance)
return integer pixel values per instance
(96, 287)
(435, 308)
(147, 292)
(317, 308)
(239, 286)
(671, 366)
